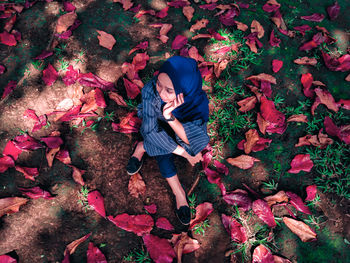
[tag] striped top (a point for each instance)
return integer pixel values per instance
(156, 139)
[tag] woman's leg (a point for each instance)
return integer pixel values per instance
(178, 191)
(139, 151)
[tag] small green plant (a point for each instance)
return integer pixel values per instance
(59, 49)
(22, 132)
(63, 64)
(80, 58)
(48, 124)
(109, 116)
(192, 203)
(271, 185)
(316, 201)
(131, 103)
(201, 227)
(38, 64)
(83, 198)
(314, 221)
(278, 100)
(138, 256)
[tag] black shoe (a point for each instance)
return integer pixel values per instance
(184, 215)
(134, 165)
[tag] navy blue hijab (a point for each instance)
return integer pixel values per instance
(187, 79)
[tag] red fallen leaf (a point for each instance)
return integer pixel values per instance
(36, 193)
(49, 75)
(301, 162)
(106, 40)
(152, 209)
(132, 90)
(140, 61)
(306, 61)
(11, 150)
(243, 161)
(7, 259)
(96, 201)
(302, 230)
(236, 230)
(275, 118)
(138, 224)
(71, 76)
(142, 45)
(188, 12)
(9, 24)
(50, 155)
(262, 254)
(239, 198)
(215, 34)
(2, 69)
(298, 203)
(63, 156)
(91, 80)
(94, 255)
(179, 42)
(227, 18)
(178, 3)
(164, 223)
(159, 249)
(306, 80)
(136, 185)
(199, 25)
(257, 27)
(183, 244)
(68, 7)
(130, 123)
(117, 98)
(26, 142)
(210, 7)
(298, 118)
(274, 41)
(202, 212)
(327, 99)
(163, 13)
(333, 10)
(279, 197)
(271, 6)
(44, 54)
(302, 29)
(71, 247)
(52, 141)
(11, 205)
(314, 17)
(164, 29)
(64, 35)
(263, 211)
(276, 65)
(5, 163)
(78, 175)
(252, 41)
(193, 53)
(219, 67)
(11, 85)
(247, 104)
(266, 88)
(220, 167)
(7, 39)
(311, 191)
(29, 173)
(260, 145)
(262, 77)
(65, 21)
(207, 154)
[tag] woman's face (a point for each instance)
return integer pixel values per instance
(165, 88)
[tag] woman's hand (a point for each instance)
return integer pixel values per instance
(195, 159)
(170, 106)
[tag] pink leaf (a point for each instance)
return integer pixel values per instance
(7, 259)
(298, 203)
(99, 97)
(94, 255)
(8, 39)
(178, 3)
(5, 163)
(266, 88)
(11, 85)
(29, 173)
(227, 19)
(91, 80)
(44, 54)
(63, 156)
(220, 167)
(276, 65)
(333, 10)
(179, 42)
(263, 211)
(159, 249)
(11, 150)
(301, 162)
(36, 192)
(271, 6)
(274, 41)
(140, 61)
(236, 231)
(26, 142)
(164, 223)
(142, 45)
(68, 7)
(311, 191)
(314, 17)
(239, 198)
(49, 75)
(273, 116)
(2, 69)
(138, 224)
(152, 209)
(71, 76)
(96, 201)
(302, 29)
(162, 13)
(262, 254)
(202, 212)
(132, 89)
(52, 141)
(306, 80)
(210, 7)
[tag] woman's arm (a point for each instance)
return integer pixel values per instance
(178, 128)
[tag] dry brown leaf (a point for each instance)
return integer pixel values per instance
(117, 98)
(256, 91)
(298, 118)
(347, 78)
(318, 83)
(65, 21)
(327, 99)
(243, 161)
(188, 11)
(183, 244)
(247, 103)
(136, 185)
(127, 4)
(50, 155)
(193, 53)
(257, 27)
(199, 24)
(306, 61)
(78, 175)
(241, 26)
(201, 36)
(302, 230)
(71, 247)
(324, 139)
(252, 46)
(106, 40)
(219, 67)
(263, 76)
(75, 92)
(262, 123)
(89, 102)
(252, 137)
(303, 141)
(11, 205)
(279, 197)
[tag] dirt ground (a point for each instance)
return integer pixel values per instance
(40, 231)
